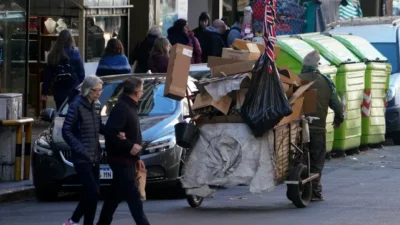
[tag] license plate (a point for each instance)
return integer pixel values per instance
(105, 172)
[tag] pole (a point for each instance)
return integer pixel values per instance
(18, 153)
(28, 145)
(26, 87)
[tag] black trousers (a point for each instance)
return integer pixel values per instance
(317, 157)
(123, 189)
(89, 177)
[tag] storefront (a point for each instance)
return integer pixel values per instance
(13, 46)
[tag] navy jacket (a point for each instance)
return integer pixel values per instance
(113, 65)
(81, 131)
(78, 68)
(123, 118)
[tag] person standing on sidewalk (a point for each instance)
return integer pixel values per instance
(326, 97)
(64, 69)
(124, 154)
(81, 132)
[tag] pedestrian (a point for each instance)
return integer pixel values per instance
(64, 69)
(80, 131)
(236, 31)
(204, 21)
(227, 29)
(124, 154)
(159, 56)
(114, 60)
(180, 34)
(326, 97)
(214, 43)
(142, 51)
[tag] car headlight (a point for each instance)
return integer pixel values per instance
(42, 147)
(160, 145)
(390, 95)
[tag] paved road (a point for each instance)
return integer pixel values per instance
(359, 190)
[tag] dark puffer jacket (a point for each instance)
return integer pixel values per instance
(81, 130)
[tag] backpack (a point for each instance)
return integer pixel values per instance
(65, 77)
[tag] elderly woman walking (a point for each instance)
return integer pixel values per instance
(81, 132)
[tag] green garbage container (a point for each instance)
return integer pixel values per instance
(292, 54)
(376, 80)
(350, 87)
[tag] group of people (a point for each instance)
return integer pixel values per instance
(122, 132)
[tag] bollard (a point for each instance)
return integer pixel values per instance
(28, 149)
(21, 124)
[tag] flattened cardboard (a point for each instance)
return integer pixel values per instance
(205, 100)
(292, 75)
(214, 61)
(178, 72)
(240, 54)
(286, 80)
(299, 92)
(297, 112)
(219, 119)
(240, 44)
(310, 102)
(240, 96)
(232, 69)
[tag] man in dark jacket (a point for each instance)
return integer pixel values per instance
(204, 21)
(124, 154)
(326, 97)
(214, 43)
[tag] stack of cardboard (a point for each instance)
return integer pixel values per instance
(240, 60)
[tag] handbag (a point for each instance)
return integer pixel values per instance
(141, 175)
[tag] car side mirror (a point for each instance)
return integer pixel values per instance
(47, 115)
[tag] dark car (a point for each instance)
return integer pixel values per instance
(388, 43)
(54, 172)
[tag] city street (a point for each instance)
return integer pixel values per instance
(359, 190)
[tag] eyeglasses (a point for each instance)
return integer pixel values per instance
(96, 90)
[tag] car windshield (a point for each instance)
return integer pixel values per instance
(153, 102)
(388, 50)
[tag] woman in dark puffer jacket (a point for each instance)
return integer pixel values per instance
(180, 34)
(80, 131)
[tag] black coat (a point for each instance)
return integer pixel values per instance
(214, 45)
(81, 131)
(141, 54)
(123, 118)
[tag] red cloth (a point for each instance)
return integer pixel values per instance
(269, 28)
(195, 44)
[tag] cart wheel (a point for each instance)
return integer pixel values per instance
(299, 194)
(194, 201)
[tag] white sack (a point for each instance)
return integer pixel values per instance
(228, 155)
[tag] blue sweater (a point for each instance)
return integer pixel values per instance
(78, 68)
(113, 65)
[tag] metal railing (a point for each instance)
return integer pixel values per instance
(23, 125)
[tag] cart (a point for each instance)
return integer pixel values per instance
(291, 161)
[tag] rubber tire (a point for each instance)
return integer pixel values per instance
(46, 194)
(300, 195)
(194, 201)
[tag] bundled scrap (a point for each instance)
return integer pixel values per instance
(234, 82)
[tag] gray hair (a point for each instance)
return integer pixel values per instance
(155, 31)
(89, 83)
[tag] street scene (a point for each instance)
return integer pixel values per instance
(199, 112)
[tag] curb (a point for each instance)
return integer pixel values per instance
(17, 194)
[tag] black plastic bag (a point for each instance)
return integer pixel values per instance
(266, 103)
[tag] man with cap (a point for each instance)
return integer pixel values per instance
(326, 97)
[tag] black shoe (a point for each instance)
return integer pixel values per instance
(315, 198)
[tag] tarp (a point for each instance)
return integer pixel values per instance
(228, 155)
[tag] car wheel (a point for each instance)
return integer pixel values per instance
(46, 194)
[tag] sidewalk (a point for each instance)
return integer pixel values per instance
(17, 191)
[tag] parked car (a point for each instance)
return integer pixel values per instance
(388, 43)
(51, 165)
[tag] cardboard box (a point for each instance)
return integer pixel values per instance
(240, 44)
(240, 96)
(205, 100)
(252, 54)
(214, 61)
(285, 71)
(310, 102)
(297, 112)
(233, 68)
(178, 71)
(219, 119)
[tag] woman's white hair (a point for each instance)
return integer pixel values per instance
(89, 83)
(155, 31)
